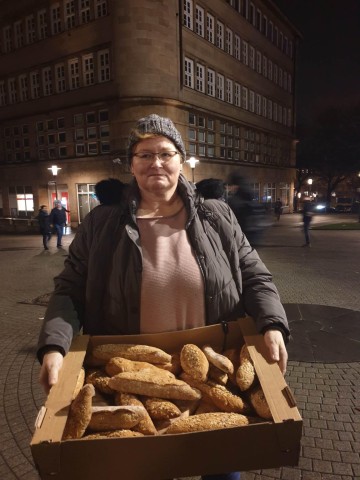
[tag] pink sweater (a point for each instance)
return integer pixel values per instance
(172, 289)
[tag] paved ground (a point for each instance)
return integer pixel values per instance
(319, 287)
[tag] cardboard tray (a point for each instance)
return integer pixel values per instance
(252, 447)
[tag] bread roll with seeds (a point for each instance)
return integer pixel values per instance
(100, 380)
(141, 353)
(233, 354)
(245, 375)
(194, 362)
(161, 409)
(217, 375)
(79, 413)
(207, 421)
(114, 434)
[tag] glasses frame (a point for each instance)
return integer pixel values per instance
(151, 156)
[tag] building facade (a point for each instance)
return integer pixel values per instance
(76, 74)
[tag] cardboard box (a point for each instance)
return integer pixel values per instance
(257, 446)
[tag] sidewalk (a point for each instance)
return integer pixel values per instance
(320, 291)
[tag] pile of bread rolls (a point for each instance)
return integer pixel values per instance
(129, 390)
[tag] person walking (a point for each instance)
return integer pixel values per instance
(278, 209)
(307, 217)
(44, 224)
(58, 220)
(150, 265)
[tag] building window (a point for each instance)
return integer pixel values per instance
(88, 69)
(245, 49)
(7, 39)
(84, 11)
(62, 137)
(21, 200)
(276, 79)
(258, 104)
(264, 67)
(93, 148)
(270, 70)
(210, 82)
(79, 134)
(252, 101)
(245, 98)
(74, 75)
(42, 25)
(24, 88)
(79, 119)
(200, 78)
(80, 149)
(60, 83)
(105, 147)
(103, 115)
(252, 57)
(189, 73)
(2, 94)
(210, 32)
(269, 109)
(62, 152)
(188, 14)
(47, 81)
(237, 47)
(258, 62)
(91, 133)
(220, 86)
(237, 95)
(229, 41)
(69, 14)
(220, 35)
(199, 21)
(229, 90)
(280, 77)
(55, 19)
(264, 106)
(100, 8)
(269, 195)
(30, 29)
(19, 34)
(104, 131)
(12, 90)
(51, 139)
(104, 66)
(90, 117)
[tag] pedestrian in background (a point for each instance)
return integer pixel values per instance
(58, 220)
(307, 217)
(44, 224)
(278, 209)
(212, 188)
(110, 191)
(167, 260)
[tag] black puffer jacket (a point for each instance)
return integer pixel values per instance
(99, 288)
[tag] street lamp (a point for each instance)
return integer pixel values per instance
(310, 182)
(54, 169)
(192, 161)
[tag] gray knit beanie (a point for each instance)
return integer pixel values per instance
(154, 124)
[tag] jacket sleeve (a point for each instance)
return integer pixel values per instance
(260, 296)
(64, 315)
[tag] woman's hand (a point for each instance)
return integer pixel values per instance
(49, 373)
(275, 344)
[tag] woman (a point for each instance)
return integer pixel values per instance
(167, 260)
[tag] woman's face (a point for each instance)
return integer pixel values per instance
(156, 175)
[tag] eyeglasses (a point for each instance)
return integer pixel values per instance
(164, 156)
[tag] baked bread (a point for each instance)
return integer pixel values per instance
(207, 421)
(141, 353)
(245, 375)
(146, 425)
(218, 360)
(115, 418)
(100, 380)
(259, 403)
(151, 384)
(194, 362)
(79, 413)
(217, 375)
(161, 409)
(119, 364)
(114, 434)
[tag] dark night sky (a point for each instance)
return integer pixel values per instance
(329, 54)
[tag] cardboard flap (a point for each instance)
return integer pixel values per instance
(278, 395)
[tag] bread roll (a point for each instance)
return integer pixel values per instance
(245, 375)
(100, 380)
(218, 360)
(161, 409)
(79, 413)
(146, 425)
(119, 364)
(258, 401)
(151, 384)
(207, 421)
(114, 434)
(115, 418)
(194, 362)
(141, 353)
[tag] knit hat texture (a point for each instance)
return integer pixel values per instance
(154, 124)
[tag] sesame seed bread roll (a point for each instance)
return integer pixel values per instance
(100, 380)
(194, 362)
(119, 364)
(245, 375)
(79, 413)
(114, 434)
(146, 425)
(207, 421)
(115, 418)
(161, 409)
(259, 403)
